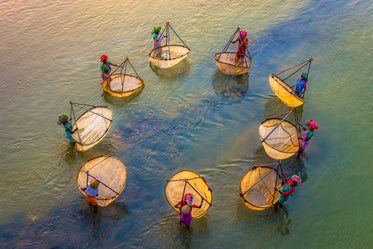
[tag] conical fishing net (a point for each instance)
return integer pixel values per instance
(170, 53)
(258, 187)
(93, 125)
(230, 62)
(113, 174)
(279, 137)
(123, 84)
(283, 90)
(184, 182)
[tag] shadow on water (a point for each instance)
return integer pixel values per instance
(228, 85)
(51, 231)
(120, 100)
(169, 229)
(279, 218)
(172, 73)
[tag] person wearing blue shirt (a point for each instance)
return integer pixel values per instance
(300, 87)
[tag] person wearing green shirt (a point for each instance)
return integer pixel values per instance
(106, 66)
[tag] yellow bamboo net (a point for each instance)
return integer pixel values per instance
(279, 137)
(122, 85)
(184, 182)
(285, 92)
(113, 174)
(258, 187)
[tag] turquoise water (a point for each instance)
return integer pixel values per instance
(185, 117)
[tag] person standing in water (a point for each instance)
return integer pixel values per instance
(186, 206)
(300, 86)
(92, 192)
(307, 135)
(242, 46)
(106, 67)
(65, 121)
(157, 41)
(287, 190)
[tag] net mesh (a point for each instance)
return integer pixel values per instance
(184, 182)
(285, 92)
(258, 188)
(279, 137)
(168, 56)
(228, 64)
(113, 174)
(92, 126)
(122, 85)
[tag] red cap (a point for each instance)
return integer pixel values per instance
(103, 57)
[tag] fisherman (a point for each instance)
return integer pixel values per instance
(106, 67)
(287, 190)
(92, 192)
(65, 121)
(307, 135)
(300, 86)
(242, 46)
(157, 43)
(186, 206)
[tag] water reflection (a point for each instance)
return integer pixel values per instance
(274, 106)
(172, 73)
(285, 221)
(228, 85)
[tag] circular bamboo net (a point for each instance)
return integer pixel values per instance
(184, 182)
(113, 174)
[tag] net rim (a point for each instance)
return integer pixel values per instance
(105, 83)
(281, 83)
(261, 138)
(106, 156)
(107, 130)
(161, 59)
(246, 56)
(242, 196)
(164, 190)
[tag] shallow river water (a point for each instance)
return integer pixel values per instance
(185, 117)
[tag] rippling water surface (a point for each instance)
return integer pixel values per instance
(191, 116)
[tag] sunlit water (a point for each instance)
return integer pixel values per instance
(191, 116)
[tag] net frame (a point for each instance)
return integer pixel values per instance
(272, 199)
(102, 202)
(196, 213)
(106, 83)
(281, 154)
(79, 145)
(170, 61)
(283, 90)
(228, 67)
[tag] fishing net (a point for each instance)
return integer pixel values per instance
(184, 182)
(113, 174)
(123, 84)
(169, 54)
(227, 63)
(285, 92)
(92, 125)
(279, 137)
(233, 63)
(258, 187)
